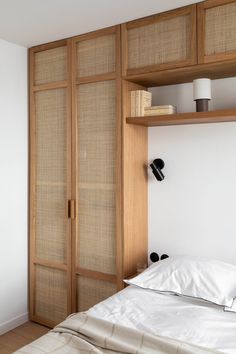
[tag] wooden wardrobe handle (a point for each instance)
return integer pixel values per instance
(71, 209)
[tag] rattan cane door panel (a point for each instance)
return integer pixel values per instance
(51, 175)
(96, 246)
(51, 223)
(50, 65)
(96, 183)
(217, 30)
(50, 294)
(51, 128)
(97, 132)
(92, 291)
(96, 56)
(162, 41)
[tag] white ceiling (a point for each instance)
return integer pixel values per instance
(32, 22)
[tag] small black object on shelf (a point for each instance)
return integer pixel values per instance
(156, 166)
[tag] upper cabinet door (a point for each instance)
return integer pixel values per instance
(97, 55)
(216, 30)
(159, 42)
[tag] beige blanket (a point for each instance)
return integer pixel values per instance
(84, 334)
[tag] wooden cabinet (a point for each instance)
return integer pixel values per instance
(77, 239)
(159, 42)
(216, 30)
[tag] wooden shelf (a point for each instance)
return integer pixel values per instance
(228, 115)
(217, 70)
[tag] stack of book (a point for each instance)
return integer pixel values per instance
(159, 110)
(141, 105)
(140, 100)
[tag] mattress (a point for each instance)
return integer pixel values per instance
(194, 321)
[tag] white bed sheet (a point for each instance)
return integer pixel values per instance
(190, 320)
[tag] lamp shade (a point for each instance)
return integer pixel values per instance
(201, 89)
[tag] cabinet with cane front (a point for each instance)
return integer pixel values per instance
(216, 30)
(159, 42)
(78, 253)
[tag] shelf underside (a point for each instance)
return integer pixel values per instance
(228, 115)
(217, 70)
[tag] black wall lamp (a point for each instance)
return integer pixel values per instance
(156, 166)
(154, 257)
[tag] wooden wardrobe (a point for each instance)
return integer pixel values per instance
(88, 167)
(88, 230)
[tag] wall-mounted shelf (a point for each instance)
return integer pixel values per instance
(217, 70)
(228, 115)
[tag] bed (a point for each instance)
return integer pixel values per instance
(140, 320)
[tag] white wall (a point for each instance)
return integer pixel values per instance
(13, 185)
(193, 211)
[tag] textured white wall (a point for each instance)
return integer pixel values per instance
(13, 185)
(193, 210)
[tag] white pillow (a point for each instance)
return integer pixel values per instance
(209, 280)
(232, 308)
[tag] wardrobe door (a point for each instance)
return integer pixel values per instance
(96, 130)
(217, 30)
(96, 186)
(50, 260)
(159, 42)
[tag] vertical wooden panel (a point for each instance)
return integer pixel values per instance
(135, 210)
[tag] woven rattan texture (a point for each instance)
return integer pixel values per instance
(96, 246)
(96, 56)
(161, 42)
(96, 136)
(51, 174)
(96, 103)
(220, 29)
(50, 66)
(50, 294)
(92, 291)
(51, 223)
